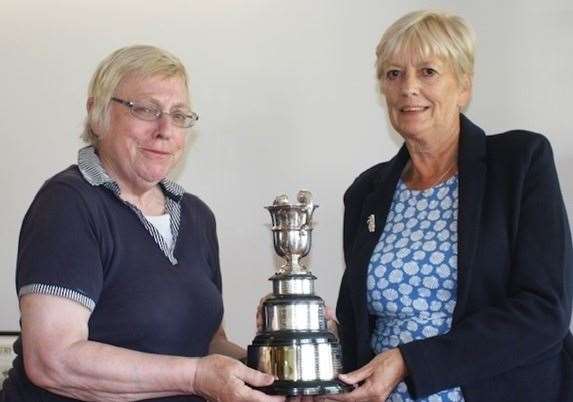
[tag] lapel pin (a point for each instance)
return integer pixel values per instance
(371, 223)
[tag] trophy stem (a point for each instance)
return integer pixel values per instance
(295, 266)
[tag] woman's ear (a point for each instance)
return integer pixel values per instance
(467, 83)
(90, 105)
(465, 91)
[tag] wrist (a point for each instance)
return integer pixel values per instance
(401, 363)
(191, 375)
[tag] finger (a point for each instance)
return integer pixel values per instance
(359, 394)
(250, 395)
(343, 397)
(355, 377)
(260, 313)
(366, 393)
(337, 398)
(259, 319)
(264, 298)
(330, 314)
(332, 327)
(254, 377)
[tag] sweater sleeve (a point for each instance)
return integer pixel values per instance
(58, 252)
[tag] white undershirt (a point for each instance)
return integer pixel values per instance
(163, 225)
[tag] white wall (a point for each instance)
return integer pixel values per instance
(287, 99)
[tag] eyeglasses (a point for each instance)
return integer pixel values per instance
(150, 112)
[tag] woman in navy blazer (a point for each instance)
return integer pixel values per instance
(508, 337)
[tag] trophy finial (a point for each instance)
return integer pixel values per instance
(281, 200)
(307, 207)
(304, 197)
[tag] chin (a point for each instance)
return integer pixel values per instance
(412, 130)
(155, 175)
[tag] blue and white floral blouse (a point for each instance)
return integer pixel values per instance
(412, 274)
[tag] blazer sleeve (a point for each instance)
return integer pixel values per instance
(533, 319)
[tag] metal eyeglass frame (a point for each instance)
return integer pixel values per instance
(193, 117)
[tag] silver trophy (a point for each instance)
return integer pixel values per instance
(294, 344)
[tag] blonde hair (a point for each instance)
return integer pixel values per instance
(146, 61)
(429, 34)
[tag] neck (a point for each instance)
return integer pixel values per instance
(151, 202)
(431, 165)
(147, 197)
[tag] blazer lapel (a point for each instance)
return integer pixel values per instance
(376, 205)
(472, 178)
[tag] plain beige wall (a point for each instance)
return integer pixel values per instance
(287, 99)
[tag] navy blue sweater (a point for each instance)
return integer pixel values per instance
(83, 238)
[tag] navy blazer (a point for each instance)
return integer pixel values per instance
(510, 338)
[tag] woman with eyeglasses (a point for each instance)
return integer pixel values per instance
(118, 269)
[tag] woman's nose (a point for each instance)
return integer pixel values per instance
(410, 84)
(165, 126)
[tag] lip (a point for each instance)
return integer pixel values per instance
(413, 108)
(155, 152)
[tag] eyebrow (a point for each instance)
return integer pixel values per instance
(180, 105)
(421, 63)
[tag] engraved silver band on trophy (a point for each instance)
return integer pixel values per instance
(294, 344)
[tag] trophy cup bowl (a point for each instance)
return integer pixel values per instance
(294, 344)
(292, 228)
(292, 245)
(291, 242)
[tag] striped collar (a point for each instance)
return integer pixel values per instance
(94, 173)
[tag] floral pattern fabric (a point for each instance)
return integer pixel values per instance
(412, 274)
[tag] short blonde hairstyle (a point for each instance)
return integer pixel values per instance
(146, 61)
(426, 34)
